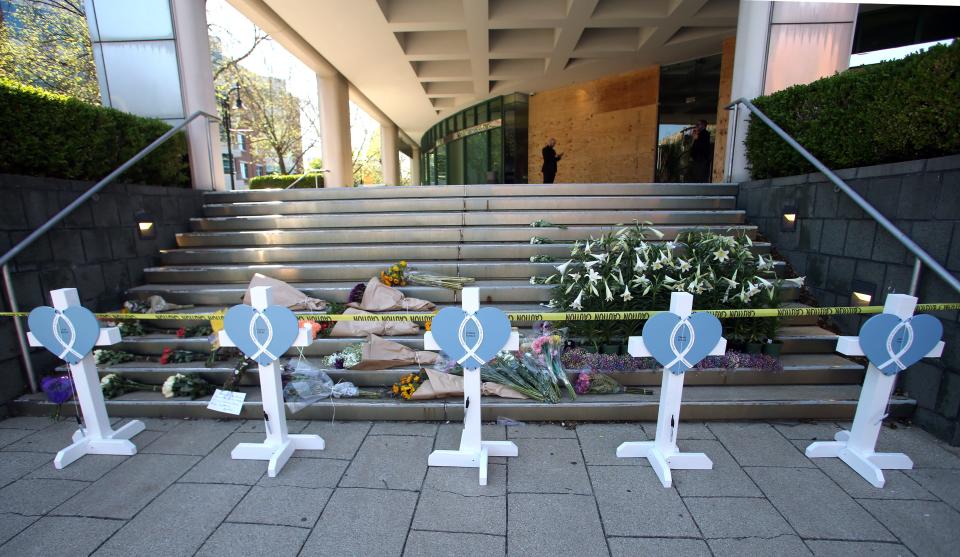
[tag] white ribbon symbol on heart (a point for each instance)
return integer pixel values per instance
(261, 348)
(68, 347)
(681, 355)
(471, 350)
(895, 357)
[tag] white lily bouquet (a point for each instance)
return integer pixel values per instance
(627, 270)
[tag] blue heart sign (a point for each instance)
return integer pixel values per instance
(679, 344)
(892, 345)
(69, 334)
(471, 339)
(263, 336)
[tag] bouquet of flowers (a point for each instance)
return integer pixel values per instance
(548, 350)
(346, 358)
(529, 378)
(601, 384)
(171, 356)
(407, 385)
(395, 275)
(111, 357)
(190, 385)
(114, 385)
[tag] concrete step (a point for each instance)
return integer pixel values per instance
(726, 402)
(152, 344)
(412, 253)
(478, 190)
(491, 292)
(797, 370)
(809, 339)
(353, 270)
(464, 236)
(459, 219)
(348, 206)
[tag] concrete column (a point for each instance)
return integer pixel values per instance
(335, 129)
(389, 154)
(415, 166)
(155, 61)
(780, 44)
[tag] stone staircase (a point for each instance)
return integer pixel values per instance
(325, 241)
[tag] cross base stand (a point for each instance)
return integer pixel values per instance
(115, 443)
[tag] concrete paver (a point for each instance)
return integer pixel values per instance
(371, 493)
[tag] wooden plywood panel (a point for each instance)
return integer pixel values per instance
(605, 128)
(723, 115)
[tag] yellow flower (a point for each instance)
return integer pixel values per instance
(396, 389)
(428, 324)
(395, 269)
(403, 263)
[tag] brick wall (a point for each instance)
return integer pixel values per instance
(96, 249)
(836, 243)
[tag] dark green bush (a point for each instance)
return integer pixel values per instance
(281, 181)
(894, 111)
(47, 134)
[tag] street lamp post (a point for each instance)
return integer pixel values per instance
(225, 107)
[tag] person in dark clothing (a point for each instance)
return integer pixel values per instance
(701, 153)
(550, 160)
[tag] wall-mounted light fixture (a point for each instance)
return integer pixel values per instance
(862, 293)
(788, 223)
(145, 225)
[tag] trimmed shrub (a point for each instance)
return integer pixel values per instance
(281, 181)
(889, 112)
(52, 135)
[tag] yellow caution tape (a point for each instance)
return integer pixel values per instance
(531, 316)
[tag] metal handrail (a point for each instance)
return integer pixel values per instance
(32, 237)
(921, 255)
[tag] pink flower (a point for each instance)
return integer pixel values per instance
(537, 345)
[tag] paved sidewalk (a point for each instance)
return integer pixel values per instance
(371, 493)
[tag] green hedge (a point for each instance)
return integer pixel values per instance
(281, 181)
(47, 134)
(893, 111)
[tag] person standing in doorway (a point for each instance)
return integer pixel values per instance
(701, 154)
(550, 160)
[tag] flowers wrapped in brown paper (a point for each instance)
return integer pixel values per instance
(380, 297)
(345, 329)
(380, 353)
(443, 385)
(285, 295)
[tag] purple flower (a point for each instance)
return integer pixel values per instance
(356, 295)
(339, 363)
(58, 388)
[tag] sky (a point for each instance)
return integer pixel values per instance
(271, 59)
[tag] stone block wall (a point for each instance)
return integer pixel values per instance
(96, 250)
(836, 243)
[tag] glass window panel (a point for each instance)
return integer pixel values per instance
(470, 118)
(482, 113)
(116, 21)
(442, 165)
(496, 108)
(458, 122)
(496, 153)
(455, 168)
(476, 145)
(143, 78)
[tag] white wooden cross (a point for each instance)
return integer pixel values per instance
(856, 447)
(279, 444)
(473, 451)
(663, 452)
(96, 436)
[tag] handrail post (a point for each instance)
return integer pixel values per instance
(18, 326)
(915, 278)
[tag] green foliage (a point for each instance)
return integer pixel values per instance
(48, 134)
(893, 111)
(46, 43)
(283, 180)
